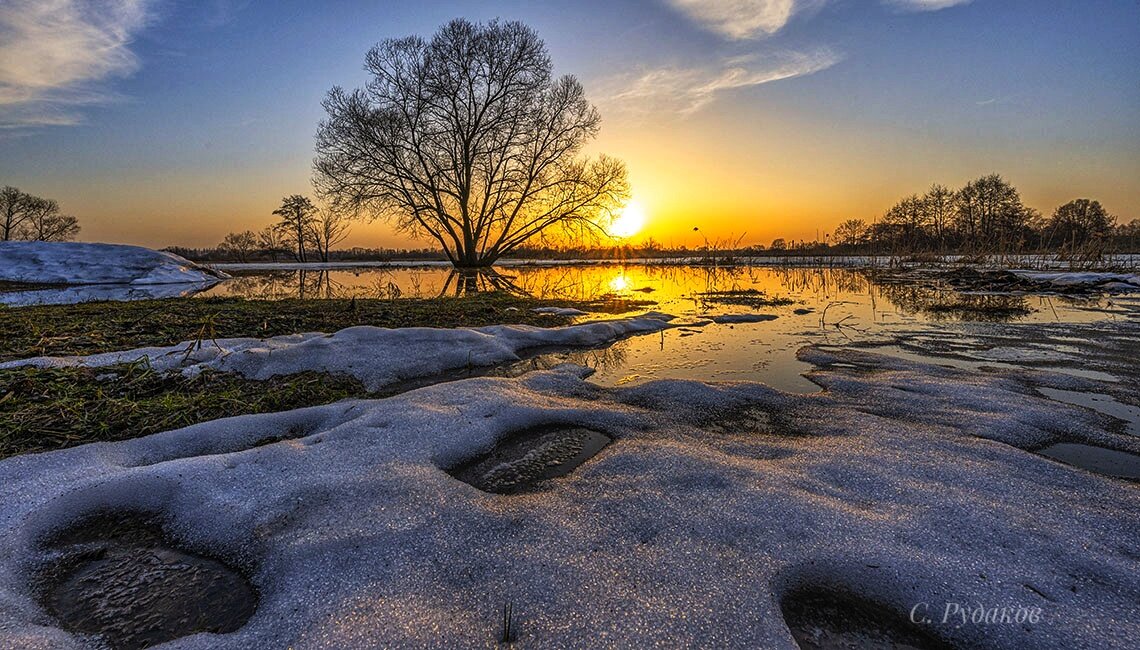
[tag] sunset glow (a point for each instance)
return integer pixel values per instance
(629, 222)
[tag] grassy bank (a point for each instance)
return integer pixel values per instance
(90, 328)
(46, 409)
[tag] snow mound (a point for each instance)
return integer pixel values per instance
(82, 263)
(1116, 282)
(377, 356)
(710, 507)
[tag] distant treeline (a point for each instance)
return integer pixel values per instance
(984, 217)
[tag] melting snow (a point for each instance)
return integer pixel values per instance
(904, 483)
(67, 263)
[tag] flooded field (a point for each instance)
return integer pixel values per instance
(811, 306)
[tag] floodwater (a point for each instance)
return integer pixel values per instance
(811, 306)
(1088, 338)
(824, 306)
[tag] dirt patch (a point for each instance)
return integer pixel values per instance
(822, 619)
(116, 576)
(523, 460)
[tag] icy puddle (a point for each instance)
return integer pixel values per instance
(1109, 462)
(1101, 403)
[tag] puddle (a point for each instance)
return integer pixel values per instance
(117, 577)
(826, 620)
(1098, 460)
(1101, 403)
(525, 459)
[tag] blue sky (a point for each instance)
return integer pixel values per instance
(169, 122)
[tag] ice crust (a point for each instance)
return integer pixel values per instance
(903, 482)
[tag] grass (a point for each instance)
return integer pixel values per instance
(743, 297)
(54, 408)
(94, 327)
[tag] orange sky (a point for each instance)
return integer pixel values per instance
(190, 127)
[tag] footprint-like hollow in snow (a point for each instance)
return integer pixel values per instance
(823, 619)
(118, 577)
(522, 460)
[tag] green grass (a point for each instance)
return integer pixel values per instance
(46, 409)
(94, 327)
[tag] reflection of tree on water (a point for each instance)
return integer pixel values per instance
(283, 285)
(463, 283)
(946, 304)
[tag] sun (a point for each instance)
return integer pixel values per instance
(629, 222)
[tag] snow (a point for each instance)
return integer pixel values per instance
(90, 292)
(377, 356)
(86, 264)
(559, 311)
(1110, 281)
(713, 502)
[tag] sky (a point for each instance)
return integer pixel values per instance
(163, 122)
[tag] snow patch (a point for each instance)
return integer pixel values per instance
(74, 263)
(378, 357)
(686, 530)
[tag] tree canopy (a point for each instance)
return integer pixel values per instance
(467, 138)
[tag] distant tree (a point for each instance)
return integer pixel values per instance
(938, 206)
(469, 139)
(778, 245)
(329, 228)
(909, 219)
(28, 217)
(851, 232)
(13, 205)
(989, 212)
(1078, 221)
(240, 244)
(298, 216)
(46, 223)
(269, 241)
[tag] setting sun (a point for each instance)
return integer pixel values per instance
(629, 222)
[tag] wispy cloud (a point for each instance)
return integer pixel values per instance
(54, 53)
(925, 5)
(741, 19)
(685, 90)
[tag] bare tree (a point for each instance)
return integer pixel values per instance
(46, 223)
(1078, 221)
(12, 214)
(938, 204)
(329, 228)
(270, 241)
(23, 216)
(298, 214)
(240, 244)
(469, 139)
(851, 232)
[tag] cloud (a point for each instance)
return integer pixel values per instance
(925, 5)
(53, 54)
(741, 19)
(686, 90)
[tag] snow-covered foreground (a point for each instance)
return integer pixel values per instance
(122, 272)
(379, 357)
(903, 483)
